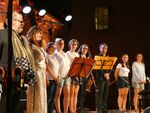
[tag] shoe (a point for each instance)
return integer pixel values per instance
(104, 110)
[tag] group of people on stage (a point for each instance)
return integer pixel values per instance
(49, 67)
(138, 80)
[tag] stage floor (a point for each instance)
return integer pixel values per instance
(115, 111)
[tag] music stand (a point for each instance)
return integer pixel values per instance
(81, 67)
(103, 63)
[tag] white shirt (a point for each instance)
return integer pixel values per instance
(53, 66)
(138, 72)
(123, 71)
(71, 56)
(63, 62)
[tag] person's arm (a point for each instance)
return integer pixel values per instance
(50, 71)
(48, 68)
(116, 74)
(135, 74)
(143, 76)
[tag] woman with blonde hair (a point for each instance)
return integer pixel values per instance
(64, 84)
(138, 78)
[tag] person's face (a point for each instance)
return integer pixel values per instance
(1, 25)
(51, 49)
(103, 49)
(60, 45)
(139, 57)
(125, 58)
(84, 50)
(73, 46)
(39, 36)
(18, 24)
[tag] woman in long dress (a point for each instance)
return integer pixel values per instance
(36, 96)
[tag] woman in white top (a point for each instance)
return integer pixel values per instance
(121, 74)
(138, 78)
(64, 79)
(53, 77)
(74, 88)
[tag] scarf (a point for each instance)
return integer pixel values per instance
(22, 50)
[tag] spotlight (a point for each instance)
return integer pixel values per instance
(26, 9)
(68, 18)
(42, 12)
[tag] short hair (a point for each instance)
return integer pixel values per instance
(49, 45)
(14, 15)
(103, 44)
(58, 40)
(73, 40)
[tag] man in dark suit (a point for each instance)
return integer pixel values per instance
(102, 80)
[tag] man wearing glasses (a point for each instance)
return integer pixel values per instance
(23, 57)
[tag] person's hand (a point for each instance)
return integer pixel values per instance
(47, 82)
(106, 75)
(143, 82)
(57, 80)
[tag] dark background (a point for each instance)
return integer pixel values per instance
(129, 29)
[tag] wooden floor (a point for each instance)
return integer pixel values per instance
(115, 111)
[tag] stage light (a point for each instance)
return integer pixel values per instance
(68, 18)
(26, 9)
(42, 12)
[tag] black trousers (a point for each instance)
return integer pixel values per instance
(18, 106)
(102, 94)
(51, 94)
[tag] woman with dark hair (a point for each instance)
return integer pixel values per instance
(37, 97)
(121, 75)
(83, 52)
(53, 77)
(138, 78)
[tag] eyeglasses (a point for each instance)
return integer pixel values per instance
(21, 21)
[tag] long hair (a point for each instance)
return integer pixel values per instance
(122, 63)
(88, 55)
(71, 41)
(31, 35)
